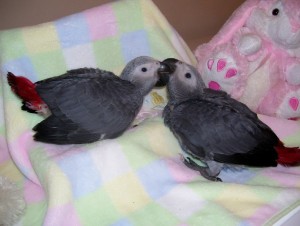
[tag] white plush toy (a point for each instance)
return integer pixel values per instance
(12, 204)
(255, 57)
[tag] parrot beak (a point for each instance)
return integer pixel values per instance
(163, 72)
(171, 62)
(167, 67)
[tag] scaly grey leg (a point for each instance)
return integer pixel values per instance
(211, 172)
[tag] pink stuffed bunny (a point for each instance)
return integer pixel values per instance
(255, 57)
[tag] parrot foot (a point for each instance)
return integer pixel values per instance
(204, 171)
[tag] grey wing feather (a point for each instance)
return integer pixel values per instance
(54, 130)
(98, 103)
(78, 73)
(223, 99)
(101, 106)
(219, 129)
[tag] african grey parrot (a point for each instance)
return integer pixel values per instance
(216, 129)
(87, 104)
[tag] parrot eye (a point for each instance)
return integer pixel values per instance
(275, 12)
(188, 75)
(144, 69)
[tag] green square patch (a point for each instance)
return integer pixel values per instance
(108, 54)
(49, 64)
(2, 127)
(2, 130)
(263, 179)
(102, 208)
(136, 148)
(267, 194)
(153, 214)
(160, 48)
(206, 189)
(12, 45)
(129, 15)
(35, 214)
(41, 163)
(213, 214)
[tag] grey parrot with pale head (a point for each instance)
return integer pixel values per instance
(214, 129)
(87, 104)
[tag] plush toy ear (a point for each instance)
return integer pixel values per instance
(235, 22)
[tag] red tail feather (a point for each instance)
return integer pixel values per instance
(25, 89)
(288, 156)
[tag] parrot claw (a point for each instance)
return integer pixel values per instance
(204, 171)
(218, 179)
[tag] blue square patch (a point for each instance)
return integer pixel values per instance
(135, 44)
(82, 173)
(72, 30)
(21, 67)
(156, 179)
(122, 222)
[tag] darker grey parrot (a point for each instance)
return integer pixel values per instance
(87, 104)
(216, 129)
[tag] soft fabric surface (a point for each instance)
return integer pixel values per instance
(136, 179)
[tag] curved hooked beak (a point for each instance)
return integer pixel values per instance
(167, 67)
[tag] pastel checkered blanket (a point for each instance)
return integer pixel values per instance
(138, 178)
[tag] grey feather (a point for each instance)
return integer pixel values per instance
(89, 104)
(213, 127)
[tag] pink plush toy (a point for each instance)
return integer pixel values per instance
(255, 57)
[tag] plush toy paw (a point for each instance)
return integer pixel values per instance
(224, 69)
(290, 107)
(221, 73)
(282, 102)
(12, 204)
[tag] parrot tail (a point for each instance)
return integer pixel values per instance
(288, 156)
(25, 89)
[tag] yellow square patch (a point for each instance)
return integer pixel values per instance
(8, 169)
(15, 116)
(41, 38)
(61, 198)
(240, 200)
(127, 193)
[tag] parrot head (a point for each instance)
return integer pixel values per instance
(184, 80)
(146, 72)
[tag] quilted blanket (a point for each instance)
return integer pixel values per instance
(138, 178)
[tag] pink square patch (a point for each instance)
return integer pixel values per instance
(62, 215)
(180, 172)
(102, 22)
(32, 192)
